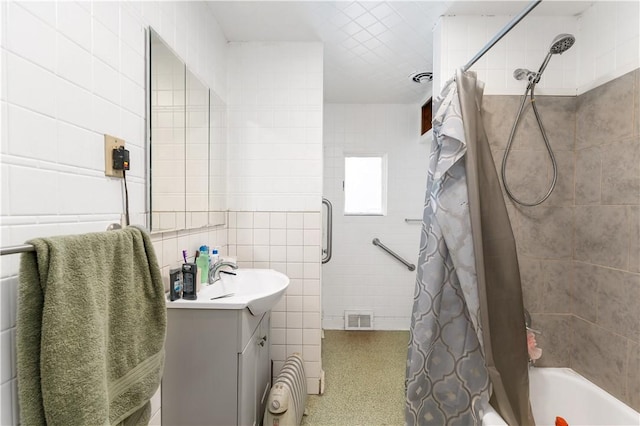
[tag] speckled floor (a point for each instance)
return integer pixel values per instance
(364, 379)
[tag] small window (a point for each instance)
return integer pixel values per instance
(365, 185)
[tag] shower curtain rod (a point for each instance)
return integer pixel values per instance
(502, 33)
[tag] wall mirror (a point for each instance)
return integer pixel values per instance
(187, 145)
(217, 159)
(196, 152)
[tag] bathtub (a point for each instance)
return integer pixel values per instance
(563, 392)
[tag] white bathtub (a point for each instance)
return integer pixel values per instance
(563, 392)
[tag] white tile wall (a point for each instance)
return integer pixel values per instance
(275, 126)
(607, 46)
(72, 71)
(525, 46)
(275, 182)
(361, 276)
(258, 240)
(607, 54)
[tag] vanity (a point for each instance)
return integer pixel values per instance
(217, 364)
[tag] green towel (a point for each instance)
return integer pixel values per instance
(91, 329)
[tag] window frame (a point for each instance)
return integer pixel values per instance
(383, 183)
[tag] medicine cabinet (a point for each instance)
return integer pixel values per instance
(187, 145)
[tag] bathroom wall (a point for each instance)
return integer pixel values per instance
(275, 183)
(597, 56)
(606, 259)
(72, 71)
(525, 46)
(579, 251)
(544, 234)
(606, 55)
(360, 276)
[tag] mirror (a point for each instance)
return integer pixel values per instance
(218, 159)
(197, 152)
(187, 145)
(167, 140)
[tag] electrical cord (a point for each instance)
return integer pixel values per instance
(126, 197)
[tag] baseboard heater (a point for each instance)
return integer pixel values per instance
(288, 396)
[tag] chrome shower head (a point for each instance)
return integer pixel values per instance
(562, 43)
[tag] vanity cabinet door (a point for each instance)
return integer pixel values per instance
(248, 381)
(254, 375)
(264, 365)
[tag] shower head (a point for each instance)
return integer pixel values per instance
(562, 43)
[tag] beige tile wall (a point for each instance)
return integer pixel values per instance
(606, 322)
(580, 250)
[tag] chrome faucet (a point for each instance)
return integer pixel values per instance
(214, 270)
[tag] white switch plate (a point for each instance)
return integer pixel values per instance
(111, 143)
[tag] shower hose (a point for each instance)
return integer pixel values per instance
(530, 91)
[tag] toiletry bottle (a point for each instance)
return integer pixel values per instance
(175, 284)
(189, 281)
(203, 265)
(215, 257)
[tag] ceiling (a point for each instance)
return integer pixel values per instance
(371, 48)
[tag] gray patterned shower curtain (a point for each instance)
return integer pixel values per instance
(468, 340)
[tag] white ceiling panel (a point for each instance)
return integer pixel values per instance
(371, 47)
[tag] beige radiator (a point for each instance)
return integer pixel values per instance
(285, 405)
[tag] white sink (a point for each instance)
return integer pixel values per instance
(256, 289)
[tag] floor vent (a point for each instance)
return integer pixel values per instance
(358, 320)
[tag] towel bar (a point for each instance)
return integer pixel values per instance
(24, 248)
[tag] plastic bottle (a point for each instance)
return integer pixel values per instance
(215, 257)
(203, 265)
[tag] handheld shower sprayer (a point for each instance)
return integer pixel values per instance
(559, 45)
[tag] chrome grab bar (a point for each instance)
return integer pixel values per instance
(410, 266)
(413, 220)
(326, 252)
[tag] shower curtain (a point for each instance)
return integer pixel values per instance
(468, 340)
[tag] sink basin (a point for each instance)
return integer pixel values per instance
(256, 289)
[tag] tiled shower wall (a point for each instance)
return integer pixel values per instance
(606, 258)
(544, 234)
(579, 251)
(72, 71)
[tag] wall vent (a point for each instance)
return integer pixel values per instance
(358, 320)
